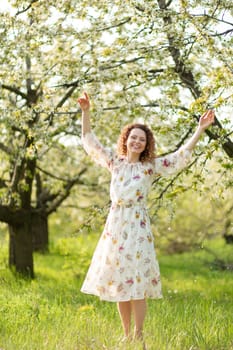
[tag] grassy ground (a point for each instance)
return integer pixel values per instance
(50, 313)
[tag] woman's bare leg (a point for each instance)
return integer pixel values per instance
(139, 312)
(124, 309)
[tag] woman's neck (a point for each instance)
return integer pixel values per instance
(133, 158)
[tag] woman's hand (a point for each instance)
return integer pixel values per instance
(206, 119)
(84, 102)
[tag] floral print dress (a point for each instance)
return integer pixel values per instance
(124, 265)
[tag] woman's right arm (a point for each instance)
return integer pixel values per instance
(91, 144)
(84, 104)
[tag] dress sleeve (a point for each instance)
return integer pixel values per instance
(173, 162)
(98, 153)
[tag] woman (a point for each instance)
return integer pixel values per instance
(124, 268)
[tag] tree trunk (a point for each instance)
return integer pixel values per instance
(40, 235)
(20, 248)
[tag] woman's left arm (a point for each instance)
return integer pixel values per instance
(178, 160)
(205, 121)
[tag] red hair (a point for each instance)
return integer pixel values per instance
(148, 155)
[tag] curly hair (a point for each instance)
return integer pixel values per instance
(148, 155)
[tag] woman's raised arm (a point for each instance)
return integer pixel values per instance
(84, 104)
(174, 162)
(91, 144)
(205, 121)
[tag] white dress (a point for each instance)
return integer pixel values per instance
(124, 265)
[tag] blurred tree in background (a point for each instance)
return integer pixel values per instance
(159, 62)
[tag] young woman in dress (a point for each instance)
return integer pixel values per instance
(124, 267)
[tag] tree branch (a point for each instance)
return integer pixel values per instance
(15, 90)
(187, 78)
(52, 175)
(212, 17)
(128, 19)
(66, 96)
(62, 196)
(115, 64)
(222, 33)
(171, 182)
(26, 8)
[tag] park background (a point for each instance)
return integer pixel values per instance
(162, 63)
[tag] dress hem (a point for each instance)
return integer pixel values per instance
(122, 299)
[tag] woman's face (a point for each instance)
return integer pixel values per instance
(136, 142)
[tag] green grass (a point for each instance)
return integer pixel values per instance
(50, 313)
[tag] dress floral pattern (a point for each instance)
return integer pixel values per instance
(124, 265)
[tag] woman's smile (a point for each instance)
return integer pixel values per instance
(136, 141)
